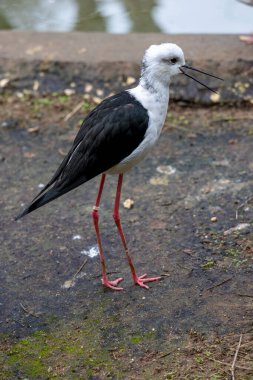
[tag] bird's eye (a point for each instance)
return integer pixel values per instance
(173, 61)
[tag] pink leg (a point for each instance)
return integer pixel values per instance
(138, 280)
(95, 216)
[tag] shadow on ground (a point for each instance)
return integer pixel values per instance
(191, 223)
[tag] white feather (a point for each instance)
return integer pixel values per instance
(153, 93)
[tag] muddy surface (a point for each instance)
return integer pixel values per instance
(191, 224)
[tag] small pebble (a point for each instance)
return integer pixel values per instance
(29, 154)
(69, 91)
(214, 219)
(130, 80)
(77, 237)
(215, 98)
(4, 82)
(33, 130)
(128, 203)
(36, 85)
(19, 94)
(96, 99)
(88, 87)
(232, 141)
(99, 92)
(68, 284)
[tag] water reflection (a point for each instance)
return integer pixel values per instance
(124, 16)
(198, 16)
(40, 15)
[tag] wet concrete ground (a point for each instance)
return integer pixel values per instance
(191, 224)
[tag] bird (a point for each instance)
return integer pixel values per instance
(116, 135)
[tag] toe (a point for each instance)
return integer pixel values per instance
(143, 276)
(117, 281)
(141, 281)
(112, 284)
(151, 279)
(114, 287)
(143, 285)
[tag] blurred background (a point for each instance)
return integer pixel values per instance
(125, 16)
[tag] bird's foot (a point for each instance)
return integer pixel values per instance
(143, 279)
(112, 284)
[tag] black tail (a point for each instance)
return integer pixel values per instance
(49, 196)
(53, 193)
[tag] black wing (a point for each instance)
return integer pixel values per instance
(111, 132)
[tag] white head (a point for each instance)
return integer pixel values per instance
(161, 62)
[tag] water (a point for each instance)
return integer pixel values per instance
(125, 16)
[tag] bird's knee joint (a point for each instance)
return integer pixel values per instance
(95, 214)
(116, 218)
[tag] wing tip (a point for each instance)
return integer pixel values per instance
(21, 214)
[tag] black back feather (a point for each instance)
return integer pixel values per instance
(111, 132)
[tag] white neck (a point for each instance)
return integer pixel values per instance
(154, 85)
(153, 95)
(155, 99)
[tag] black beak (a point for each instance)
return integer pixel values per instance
(200, 71)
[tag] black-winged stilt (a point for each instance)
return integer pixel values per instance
(117, 135)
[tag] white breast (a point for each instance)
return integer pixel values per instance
(157, 106)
